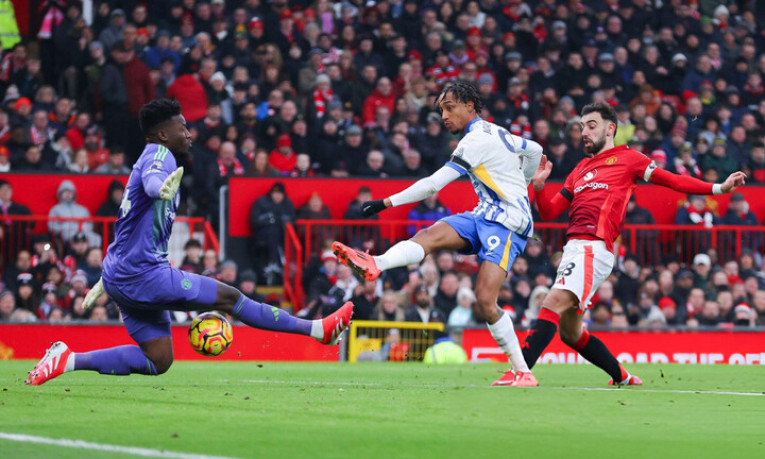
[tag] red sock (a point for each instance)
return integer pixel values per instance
(582, 341)
(550, 316)
(540, 335)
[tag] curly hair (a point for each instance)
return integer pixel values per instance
(463, 92)
(157, 112)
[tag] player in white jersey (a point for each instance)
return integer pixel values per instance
(501, 166)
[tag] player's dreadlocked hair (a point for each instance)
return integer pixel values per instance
(463, 92)
(157, 112)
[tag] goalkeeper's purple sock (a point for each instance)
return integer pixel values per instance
(593, 349)
(120, 360)
(268, 317)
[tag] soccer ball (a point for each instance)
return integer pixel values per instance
(210, 334)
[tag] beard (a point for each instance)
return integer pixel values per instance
(593, 149)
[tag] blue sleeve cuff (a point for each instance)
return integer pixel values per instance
(456, 167)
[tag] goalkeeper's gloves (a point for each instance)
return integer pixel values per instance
(170, 185)
(93, 295)
(371, 208)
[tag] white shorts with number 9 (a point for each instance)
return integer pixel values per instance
(583, 267)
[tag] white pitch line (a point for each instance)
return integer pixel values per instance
(663, 391)
(79, 444)
(476, 386)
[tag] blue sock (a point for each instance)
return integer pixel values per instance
(120, 360)
(269, 317)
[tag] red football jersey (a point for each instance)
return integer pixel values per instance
(599, 189)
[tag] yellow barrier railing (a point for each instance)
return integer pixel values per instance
(376, 341)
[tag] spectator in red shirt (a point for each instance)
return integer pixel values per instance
(443, 71)
(381, 96)
(482, 65)
(756, 162)
(187, 90)
(283, 158)
(93, 144)
(76, 133)
(473, 42)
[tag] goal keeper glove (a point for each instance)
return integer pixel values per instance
(170, 185)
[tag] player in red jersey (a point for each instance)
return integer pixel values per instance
(597, 191)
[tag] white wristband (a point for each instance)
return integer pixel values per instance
(717, 189)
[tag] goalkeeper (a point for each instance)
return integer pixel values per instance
(139, 278)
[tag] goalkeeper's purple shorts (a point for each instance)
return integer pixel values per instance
(146, 300)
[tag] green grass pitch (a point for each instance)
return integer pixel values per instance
(250, 409)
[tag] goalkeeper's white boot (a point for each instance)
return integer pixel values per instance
(55, 363)
(335, 324)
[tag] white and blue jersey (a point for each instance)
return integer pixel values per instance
(143, 228)
(500, 166)
(496, 162)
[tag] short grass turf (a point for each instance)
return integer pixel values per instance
(250, 409)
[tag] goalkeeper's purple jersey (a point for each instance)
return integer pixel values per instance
(143, 228)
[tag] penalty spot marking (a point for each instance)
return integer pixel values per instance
(80, 444)
(476, 386)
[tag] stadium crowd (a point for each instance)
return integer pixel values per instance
(301, 89)
(42, 285)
